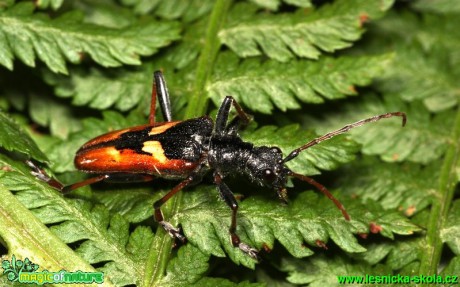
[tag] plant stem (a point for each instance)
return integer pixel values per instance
(198, 100)
(160, 248)
(440, 208)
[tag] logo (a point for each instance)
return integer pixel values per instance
(26, 272)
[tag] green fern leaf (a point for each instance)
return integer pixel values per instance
(439, 6)
(174, 9)
(104, 238)
(409, 73)
(452, 268)
(406, 253)
(106, 13)
(13, 138)
(35, 241)
(407, 187)
(449, 232)
(308, 218)
(423, 139)
(321, 271)
(189, 48)
(274, 4)
(103, 88)
(186, 268)
(43, 110)
(187, 257)
(134, 203)
(425, 62)
(283, 36)
(53, 4)
(308, 82)
(65, 38)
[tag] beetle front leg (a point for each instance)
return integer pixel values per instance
(230, 200)
(222, 126)
(158, 215)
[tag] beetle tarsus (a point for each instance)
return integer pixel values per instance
(38, 172)
(174, 232)
(236, 242)
(254, 253)
(43, 176)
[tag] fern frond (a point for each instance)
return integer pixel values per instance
(101, 89)
(308, 218)
(449, 232)
(407, 187)
(13, 138)
(104, 238)
(35, 242)
(424, 139)
(425, 62)
(25, 35)
(274, 4)
(173, 9)
(302, 34)
(439, 6)
(53, 4)
(262, 85)
(322, 270)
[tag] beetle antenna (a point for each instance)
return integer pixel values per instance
(342, 130)
(324, 190)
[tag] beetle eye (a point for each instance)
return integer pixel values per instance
(269, 175)
(276, 149)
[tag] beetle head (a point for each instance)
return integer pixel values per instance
(266, 167)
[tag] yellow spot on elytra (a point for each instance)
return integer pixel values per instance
(155, 148)
(160, 129)
(114, 154)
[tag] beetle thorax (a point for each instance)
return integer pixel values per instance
(263, 165)
(228, 154)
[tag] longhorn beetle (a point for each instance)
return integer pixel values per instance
(186, 150)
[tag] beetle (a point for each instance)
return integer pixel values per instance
(187, 150)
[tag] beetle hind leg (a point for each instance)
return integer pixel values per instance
(160, 91)
(158, 214)
(54, 183)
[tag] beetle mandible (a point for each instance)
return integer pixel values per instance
(186, 150)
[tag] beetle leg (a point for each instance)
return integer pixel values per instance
(241, 121)
(116, 177)
(230, 200)
(161, 90)
(158, 215)
(42, 175)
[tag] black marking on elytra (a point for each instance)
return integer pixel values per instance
(182, 141)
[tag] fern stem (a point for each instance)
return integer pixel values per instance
(441, 204)
(198, 100)
(160, 249)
